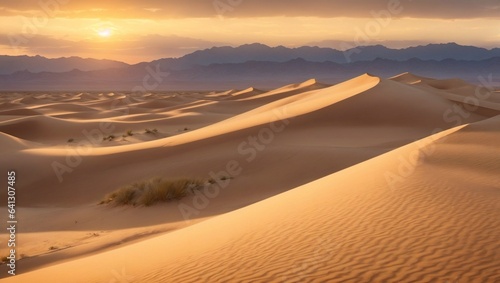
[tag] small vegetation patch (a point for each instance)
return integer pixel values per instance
(109, 138)
(224, 178)
(130, 133)
(71, 140)
(153, 131)
(153, 191)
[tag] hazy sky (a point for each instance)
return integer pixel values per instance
(142, 30)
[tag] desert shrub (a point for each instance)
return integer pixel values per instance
(121, 196)
(130, 133)
(153, 191)
(153, 131)
(109, 138)
(71, 140)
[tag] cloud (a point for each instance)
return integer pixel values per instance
(445, 9)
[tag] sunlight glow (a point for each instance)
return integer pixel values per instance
(104, 32)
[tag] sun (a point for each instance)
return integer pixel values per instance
(104, 32)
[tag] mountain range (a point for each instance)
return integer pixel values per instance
(36, 64)
(251, 64)
(260, 52)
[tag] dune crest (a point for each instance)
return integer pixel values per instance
(409, 78)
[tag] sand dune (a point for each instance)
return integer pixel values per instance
(50, 109)
(10, 143)
(456, 90)
(289, 90)
(316, 127)
(222, 94)
(338, 228)
(19, 112)
(448, 84)
(472, 99)
(409, 78)
(329, 187)
(246, 93)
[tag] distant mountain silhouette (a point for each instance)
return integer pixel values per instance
(260, 52)
(248, 65)
(11, 64)
(261, 74)
(254, 52)
(428, 52)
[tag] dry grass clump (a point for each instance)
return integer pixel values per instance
(153, 191)
(109, 138)
(153, 131)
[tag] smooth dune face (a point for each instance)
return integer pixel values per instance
(370, 180)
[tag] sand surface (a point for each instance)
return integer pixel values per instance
(370, 180)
